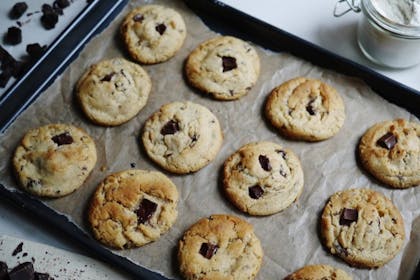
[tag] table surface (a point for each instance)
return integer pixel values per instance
(310, 20)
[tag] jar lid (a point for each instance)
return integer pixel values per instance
(401, 17)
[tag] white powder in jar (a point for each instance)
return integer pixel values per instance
(405, 12)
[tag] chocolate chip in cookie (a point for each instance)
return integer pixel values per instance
(146, 210)
(170, 127)
(255, 192)
(387, 141)
(62, 139)
(208, 250)
(348, 216)
(229, 63)
(265, 163)
(161, 28)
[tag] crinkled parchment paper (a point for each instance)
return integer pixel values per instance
(290, 239)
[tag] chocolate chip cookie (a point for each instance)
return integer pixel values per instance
(319, 272)
(132, 208)
(182, 137)
(362, 227)
(390, 151)
(54, 160)
(305, 109)
(113, 91)
(262, 178)
(225, 67)
(220, 247)
(153, 33)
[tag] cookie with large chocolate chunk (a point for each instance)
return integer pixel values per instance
(305, 109)
(113, 91)
(210, 247)
(182, 137)
(390, 151)
(153, 33)
(132, 208)
(362, 227)
(54, 160)
(262, 178)
(318, 272)
(225, 67)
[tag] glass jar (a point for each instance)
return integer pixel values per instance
(383, 41)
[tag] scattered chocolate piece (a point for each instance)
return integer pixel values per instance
(133, 165)
(42, 276)
(170, 127)
(3, 271)
(61, 3)
(145, 211)
(49, 18)
(18, 249)
(18, 10)
(138, 18)
(348, 216)
(208, 250)
(160, 28)
(63, 139)
(387, 141)
(35, 51)
(13, 36)
(265, 163)
(108, 77)
(46, 8)
(310, 109)
(24, 271)
(255, 192)
(228, 63)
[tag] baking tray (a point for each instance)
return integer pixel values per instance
(219, 17)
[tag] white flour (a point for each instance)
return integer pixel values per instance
(405, 12)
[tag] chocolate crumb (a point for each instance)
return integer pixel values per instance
(208, 250)
(18, 249)
(133, 165)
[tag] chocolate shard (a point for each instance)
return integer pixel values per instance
(265, 163)
(18, 10)
(35, 51)
(63, 139)
(18, 249)
(255, 192)
(108, 77)
(170, 127)
(145, 210)
(348, 216)
(13, 36)
(387, 141)
(161, 28)
(24, 271)
(3, 271)
(42, 276)
(138, 18)
(208, 250)
(229, 63)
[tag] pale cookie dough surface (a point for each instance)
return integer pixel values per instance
(220, 247)
(225, 67)
(132, 208)
(153, 33)
(182, 137)
(54, 160)
(319, 272)
(305, 109)
(262, 178)
(113, 91)
(362, 227)
(397, 165)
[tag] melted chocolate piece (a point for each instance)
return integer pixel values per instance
(161, 28)
(18, 10)
(145, 211)
(13, 36)
(3, 271)
(138, 18)
(208, 250)
(63, 139)
(170, 127)
(265, 163)
(108, 77)
(35, 51)
(310, 109)
(18, 249)
(229, 63)
(255, 192)
(348, 216)
(387, 141)
(24, 271)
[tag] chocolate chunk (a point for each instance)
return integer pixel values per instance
(310, 109)
(208, 250)
(348, 216)
(138, 18)
(18, 249)
(170, 127)
(49, 18)
(145, 211)
(18, 10)
(61, 3)
(229, 63)
(255, 192)
(47, 9)
(35, 51)
(265, 163)
(3, 271)
(282, 153)
(387, 141)
(63, 139)
(160, 28)
(24, 271)
(13, 36)
(42, 276)
(108, 77)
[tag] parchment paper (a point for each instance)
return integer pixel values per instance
(290, 239)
